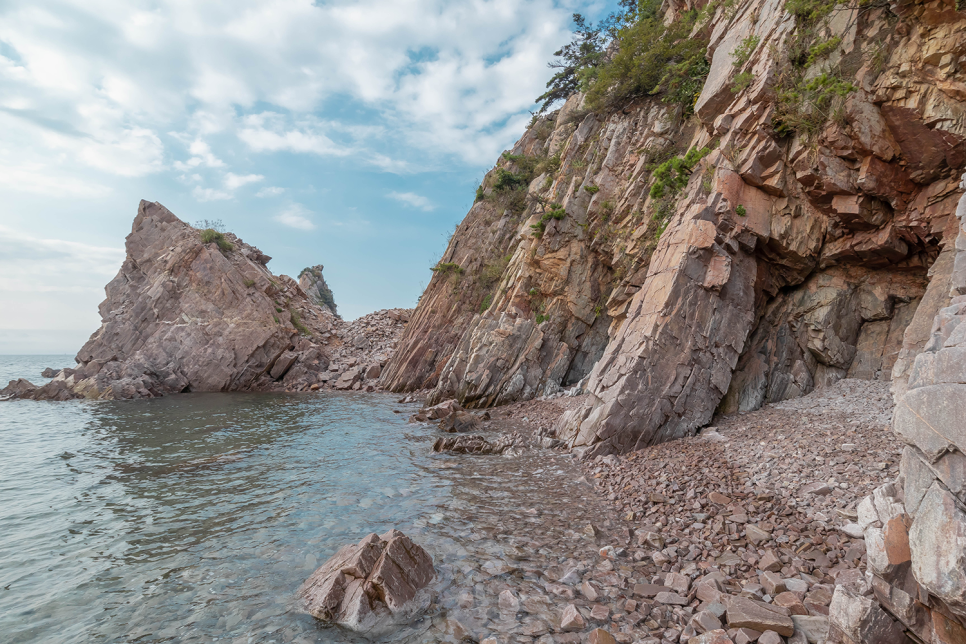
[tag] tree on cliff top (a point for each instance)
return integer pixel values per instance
(574, 60)
(628, 55)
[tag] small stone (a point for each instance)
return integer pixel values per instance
(509, 602)
(747, 613)
(813, 628)
(770, 637)
(818, 488)
(790, 601)
(677, 582)
(756, 535)
(600, 636)
(772, 583)
(770, 562)
(796, 585)
(644, 590)
(745, 635)
(705, 621)
(572, 620)
(719, 636)
(718, 498)
(588, 591)
(670, 598)
(599, 613)
(853, 530)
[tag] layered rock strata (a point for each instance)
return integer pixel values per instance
(193, 310)
(915, 528)
(786, 263)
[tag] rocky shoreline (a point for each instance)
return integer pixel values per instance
(748, 527)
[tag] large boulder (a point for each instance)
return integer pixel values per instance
(193, 310)
(373, 586)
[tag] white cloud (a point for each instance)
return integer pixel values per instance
(50, 182)
(35, 264)
(210, 194)
(268, 132)
(269, 191)
(234, 181)
(412, 199)
(434, 77)
(201, 156)
(295, 216)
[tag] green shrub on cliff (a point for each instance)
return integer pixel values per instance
(806, 101)
(556, 211)
(209, 235)
(297, 322)
(673, 174)
(650, 58)
(447, 268)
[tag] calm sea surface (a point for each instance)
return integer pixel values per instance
(196, 517)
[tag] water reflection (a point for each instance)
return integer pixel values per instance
(195, 517)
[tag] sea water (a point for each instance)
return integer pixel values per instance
(195, 517)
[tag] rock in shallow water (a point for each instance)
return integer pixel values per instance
(372, 586)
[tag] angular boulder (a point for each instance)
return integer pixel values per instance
(371, 587)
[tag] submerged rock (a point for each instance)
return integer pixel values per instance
(372, 586)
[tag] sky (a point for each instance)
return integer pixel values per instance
(345, 133)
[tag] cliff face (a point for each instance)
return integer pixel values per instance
(788, 258)
(186, 314)
(318, 292)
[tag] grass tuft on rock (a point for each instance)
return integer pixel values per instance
(209, 235)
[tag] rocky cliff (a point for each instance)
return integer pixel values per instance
(795, 230)
(915, 528)
(198, 310)
(318, 292)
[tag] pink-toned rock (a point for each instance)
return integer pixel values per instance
(571, 619)
(372, 586)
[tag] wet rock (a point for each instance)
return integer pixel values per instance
(459, 421)
(474, 445)
(372, 586)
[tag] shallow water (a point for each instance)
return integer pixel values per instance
(195, 518)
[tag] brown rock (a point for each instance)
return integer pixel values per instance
(747, 613)
(370, 586)
(572, 620)
(770, 562)
(600, 636)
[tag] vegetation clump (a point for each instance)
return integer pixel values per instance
(447, 268)
(556, 211)
(672, 175)
(740, 210)
(650, 58)
(297, 322)
(209, 235)
(592, 189)
(805, 101)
